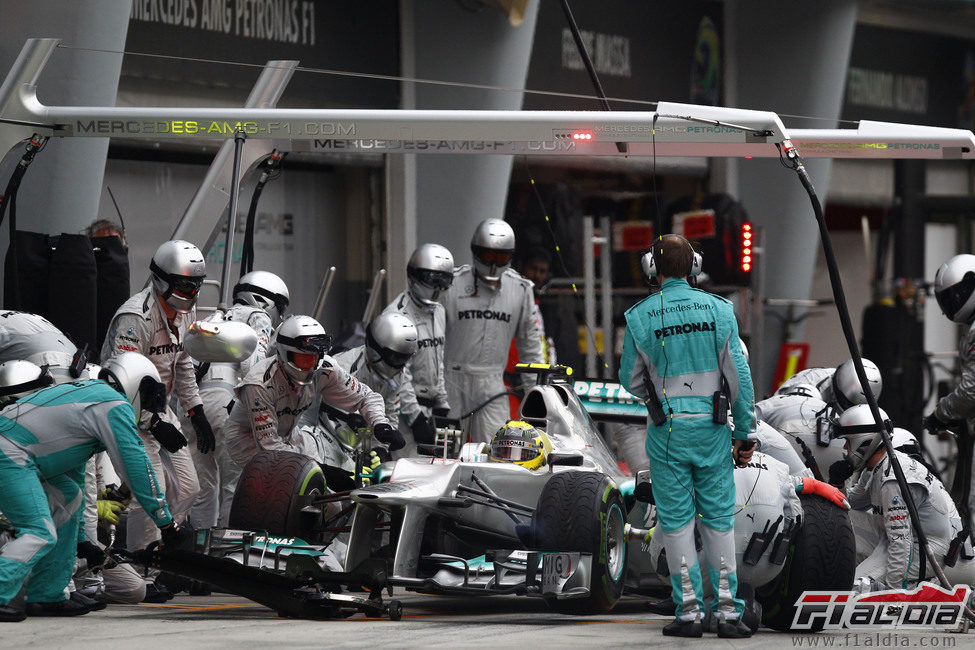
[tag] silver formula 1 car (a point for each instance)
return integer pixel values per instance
(574, 532)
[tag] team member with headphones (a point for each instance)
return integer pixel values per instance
(682, 355)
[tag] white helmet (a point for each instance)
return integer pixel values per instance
(178, 271)
(133, 375)
(954, 288)
(846, 387)
(264, 290)
(863, 438)
(905, 442)
(429, 271)
(301, 344)
(20, 379)
(493, 246)
(391, 339)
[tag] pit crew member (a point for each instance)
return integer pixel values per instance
(487, 305)
(271, 399)
(681, 353)
(46, 439)
(153, 322)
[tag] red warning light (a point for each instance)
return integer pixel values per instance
(582, 136)
(746, 247)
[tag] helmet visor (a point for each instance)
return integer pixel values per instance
(393, 358)
(514, 451)
(952, 299)
(315, 343)
(305, 361)
(187, 287)
(434, 279)
(493, 256)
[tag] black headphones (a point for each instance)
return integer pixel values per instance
(649, 259)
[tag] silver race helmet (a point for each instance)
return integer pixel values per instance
(20, 379)
(391, 339)
(178, 271)
(493, 246)
(264, 290)
(133, 375)
(847, 390)
(954, 288)
(301, 344)
(863, 438)
(429, 271)
(904, 441)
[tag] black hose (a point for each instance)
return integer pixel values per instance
(884, 426)
(271, 171)
(486, 402)
(9, 198)
(584, 55)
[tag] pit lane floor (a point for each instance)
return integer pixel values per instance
(222, 621)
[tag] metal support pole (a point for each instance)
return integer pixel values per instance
(323, 292)
(377, 283)
(228, 250)
(210, 199)
(589, 291)
(756, 341)
(606, 297)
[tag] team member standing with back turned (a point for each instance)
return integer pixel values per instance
(682, 355)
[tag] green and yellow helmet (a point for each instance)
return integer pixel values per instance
(522, 444)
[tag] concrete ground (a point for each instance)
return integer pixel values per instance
(222, 621)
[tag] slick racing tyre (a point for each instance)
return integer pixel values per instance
(272, 490)
(822, 558)
(584, 512)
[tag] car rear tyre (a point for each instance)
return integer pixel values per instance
(584, 512)
(822, 558)
(273, 488)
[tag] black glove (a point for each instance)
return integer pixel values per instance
(840, 471)
(934, 424)
(205, 441)
(423, 430)
(92, 554)
(440, 411)
(177, 537)
(171, 438)
(391, 437)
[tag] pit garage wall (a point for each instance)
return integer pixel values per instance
(304, 225)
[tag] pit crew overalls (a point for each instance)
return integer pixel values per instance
(269, 405)
(140, 325)
(46, 440)
(683, 340)
(397, 393)
(427, 365)
(895, 561)
(481, 322)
